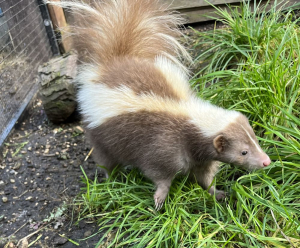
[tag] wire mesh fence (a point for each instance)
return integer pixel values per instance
(24, 45)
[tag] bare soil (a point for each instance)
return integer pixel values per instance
(40, 174)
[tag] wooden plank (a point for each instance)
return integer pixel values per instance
(204, 13)
(187, 4)
(59, 24)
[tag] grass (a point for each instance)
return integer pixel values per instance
(252, 66)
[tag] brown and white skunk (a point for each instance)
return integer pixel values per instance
(137, 103)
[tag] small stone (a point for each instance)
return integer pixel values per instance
(29, 198)
(13, 172)
(59, 241)
(2, 184)
(87, 233)
(4, 199)
(64, 157)
(48, 178)
(9, 160)
(48, 146)
(78, 129)
(12, 180)
(13, 90)
(29, 148)
(8, 191)
(23, 152)
(30, 165)
(46, 151)
(17, 165)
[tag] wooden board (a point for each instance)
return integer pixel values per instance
(186, 4)
(59, 24)
(199, 10)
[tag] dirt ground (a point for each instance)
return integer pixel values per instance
(39, 174)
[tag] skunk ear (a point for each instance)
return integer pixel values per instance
(220, 143)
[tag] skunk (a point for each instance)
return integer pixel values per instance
(136, 101)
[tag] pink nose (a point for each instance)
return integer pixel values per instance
(266, 161)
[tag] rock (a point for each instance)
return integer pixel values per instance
(17, 165)
(4, 199)
(13, 90)
(57, 89)
(78, 129)
(59, 240)
(2, 185)
(8, 191)
(12, 180)
(87, 233)
(30, 165)
(13, 172)
(29, 198)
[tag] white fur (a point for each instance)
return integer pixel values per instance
(175, 76)
(253, 141)
(74, 5)
(99, 102)
(209, 118)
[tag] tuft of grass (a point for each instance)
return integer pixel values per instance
(252, 65)
(124, 208)
(259, 83)
(250, 33)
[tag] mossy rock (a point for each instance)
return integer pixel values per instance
(58, 91)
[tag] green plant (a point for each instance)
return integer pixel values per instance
(261, 83)
(258, 203)
(250, 32)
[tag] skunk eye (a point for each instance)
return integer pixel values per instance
(244, 152)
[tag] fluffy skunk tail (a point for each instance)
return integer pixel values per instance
(105, 29)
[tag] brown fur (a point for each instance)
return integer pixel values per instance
(235, 140)
(161, 145)
(119, 37)
(139, 75)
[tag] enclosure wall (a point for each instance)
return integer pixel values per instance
(24, 45)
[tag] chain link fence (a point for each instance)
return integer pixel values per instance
(26, 41)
